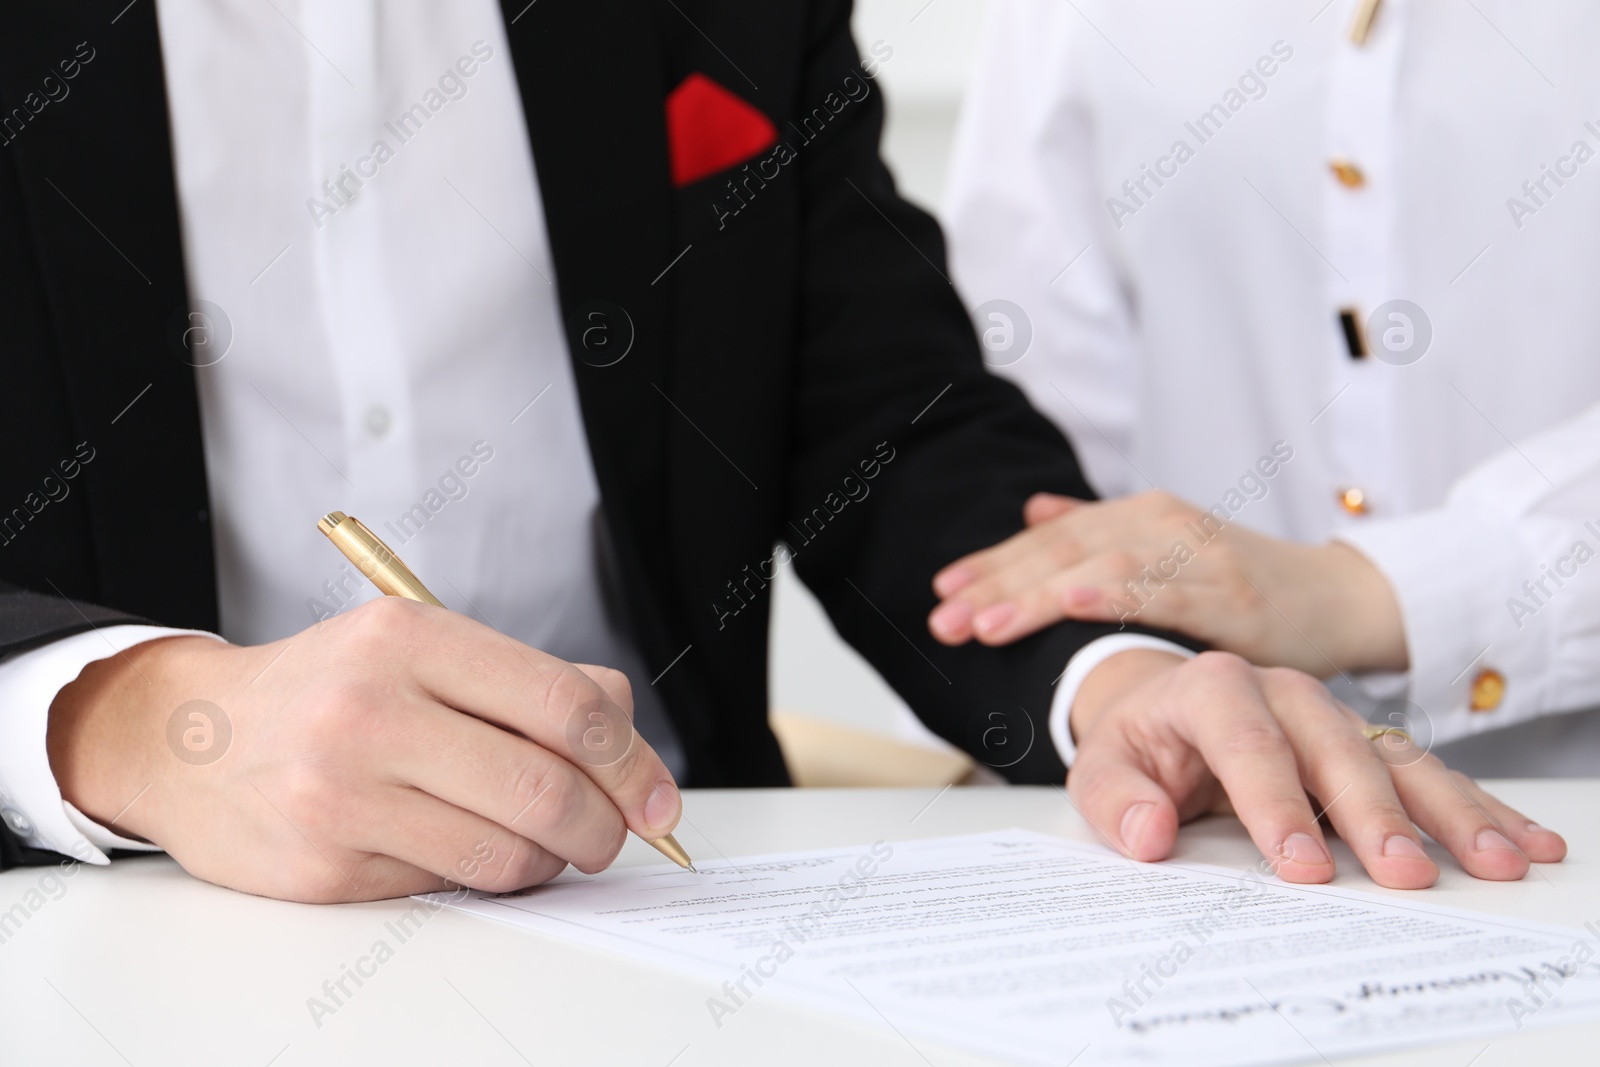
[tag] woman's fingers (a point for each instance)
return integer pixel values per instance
(1042, 507)
(1043, 601)
(1022, 546)
(1056, 579)
(1073, 532)
(997, 578)
(1072, 561)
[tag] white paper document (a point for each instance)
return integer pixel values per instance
(1036, 950)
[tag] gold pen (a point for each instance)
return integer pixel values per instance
(1361, 26)
(383, 569)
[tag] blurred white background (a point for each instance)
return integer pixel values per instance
(935, 44)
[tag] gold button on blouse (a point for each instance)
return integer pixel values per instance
(1354, 501)
(1348, 173)
(1488, 689)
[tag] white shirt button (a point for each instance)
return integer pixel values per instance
(377, 420)
(17, 822)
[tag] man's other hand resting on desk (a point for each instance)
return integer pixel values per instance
(1162, 739)
(396, 749)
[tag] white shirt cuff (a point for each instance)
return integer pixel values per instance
(1451, 570)
(1082, 662)
(30, 800)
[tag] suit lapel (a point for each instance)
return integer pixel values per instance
(96, 172)
(592, 90)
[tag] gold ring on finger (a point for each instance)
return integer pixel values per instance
(1375, 733)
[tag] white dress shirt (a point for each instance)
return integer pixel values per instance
(387, 344)
(1155, 186)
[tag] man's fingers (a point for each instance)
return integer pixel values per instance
(1266, 738)
(613, 682)
(510, 781)
(1459, 822)
(1488, 838)
(1342, 769)
(371, 877)
(472, 668)
(458, 846)
(594, 734)
(1242, 743)
(1128, 808)
(1535, 842)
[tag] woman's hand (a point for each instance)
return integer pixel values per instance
(1158, 561)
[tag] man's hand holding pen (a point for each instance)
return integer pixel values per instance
(398, 748)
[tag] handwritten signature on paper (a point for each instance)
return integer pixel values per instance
(1539, 983)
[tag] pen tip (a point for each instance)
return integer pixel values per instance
(693, 869)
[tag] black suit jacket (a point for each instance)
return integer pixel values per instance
(791, 348)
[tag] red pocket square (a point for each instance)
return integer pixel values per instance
(710, 129)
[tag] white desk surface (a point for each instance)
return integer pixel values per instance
(141, 964)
